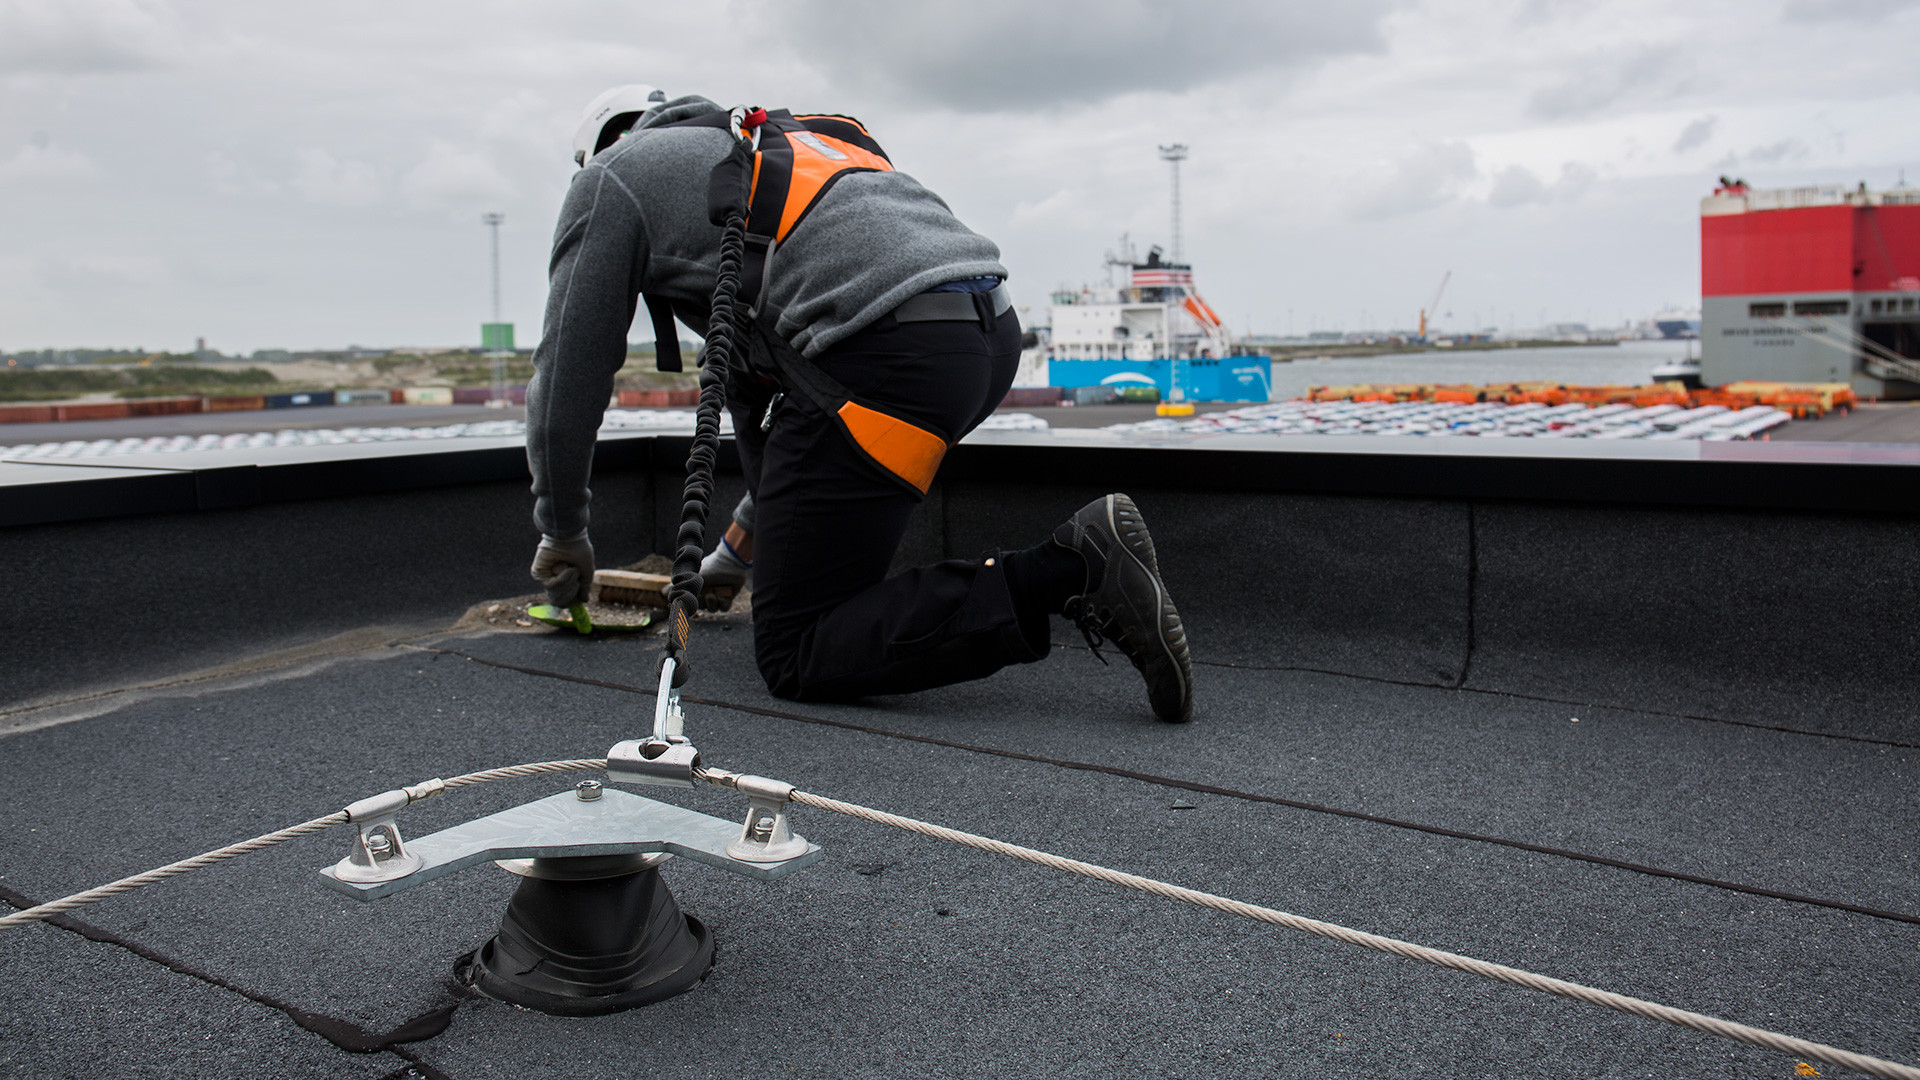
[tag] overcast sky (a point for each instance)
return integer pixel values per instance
(274, 176)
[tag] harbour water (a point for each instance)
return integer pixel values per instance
(1629, 362)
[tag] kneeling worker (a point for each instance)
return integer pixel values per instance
(880, 333)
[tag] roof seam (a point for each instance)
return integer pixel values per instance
(1210, 789)
(1549, 700)
(342, 1034)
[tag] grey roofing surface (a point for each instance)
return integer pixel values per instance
(899, 955)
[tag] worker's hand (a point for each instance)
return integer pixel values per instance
(565, 568)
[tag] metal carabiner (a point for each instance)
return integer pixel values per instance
(737, 119)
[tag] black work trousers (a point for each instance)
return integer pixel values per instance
(828, 623)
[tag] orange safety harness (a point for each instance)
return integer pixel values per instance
(781, 167)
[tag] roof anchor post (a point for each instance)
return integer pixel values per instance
(766, 836)
(378, 852)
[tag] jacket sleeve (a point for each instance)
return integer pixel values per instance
(599, 258)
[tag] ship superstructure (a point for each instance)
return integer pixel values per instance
(1155, 329)
(1150, 328)
(1811, 284)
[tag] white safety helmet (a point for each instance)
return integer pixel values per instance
(611, 115)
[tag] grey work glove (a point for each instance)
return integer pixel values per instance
(565, 569)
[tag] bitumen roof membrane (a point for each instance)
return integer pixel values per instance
(900, 955)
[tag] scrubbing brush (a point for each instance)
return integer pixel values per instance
(630, 587)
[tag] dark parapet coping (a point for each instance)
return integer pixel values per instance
(51, 491)
(1848, 477)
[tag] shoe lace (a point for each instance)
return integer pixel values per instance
(1092, 627)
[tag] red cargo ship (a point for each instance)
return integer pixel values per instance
(1811, 284)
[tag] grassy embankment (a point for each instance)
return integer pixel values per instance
(466, 369)
(186, 379)
(159, 380)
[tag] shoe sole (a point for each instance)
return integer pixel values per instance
(1137, 542)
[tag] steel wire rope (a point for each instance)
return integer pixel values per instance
(1183, 784)
(415, 793)
(1650, 1010)
(1769, 1040)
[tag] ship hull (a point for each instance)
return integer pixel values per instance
(1233, 378)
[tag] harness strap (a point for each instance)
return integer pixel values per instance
(956, 307)
(794, 163)
(666, 339)
(907, 450)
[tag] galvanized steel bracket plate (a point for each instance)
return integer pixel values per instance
(561, 825)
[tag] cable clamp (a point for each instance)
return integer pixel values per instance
(379, 853)
(767, 834)
(666, 757)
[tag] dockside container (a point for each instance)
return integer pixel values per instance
(1027, 397)
(305, 400)
(234, 403)
(426, 395)
(91, 410)
(168, 406)
(362, 397)
(657, 399)
(26, 414)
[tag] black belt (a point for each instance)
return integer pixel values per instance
(953, 306)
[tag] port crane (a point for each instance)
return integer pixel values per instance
(1433, 308)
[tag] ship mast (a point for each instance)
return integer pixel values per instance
(1173, 156)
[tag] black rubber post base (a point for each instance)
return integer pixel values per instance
(588, 948)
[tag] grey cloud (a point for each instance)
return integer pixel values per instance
(1696, 134)
(1536, 12)
(325, 179)
(1774, 153)
(94, 273)
(41, 160)
(991, 55)
(1516, 185)
(70, 38)
(1598, 83)
(1429, 177)
(1575, 179)
(1810, 11)
(452, 174)
(1770, 154)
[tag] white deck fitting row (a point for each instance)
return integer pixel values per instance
(1710, 423)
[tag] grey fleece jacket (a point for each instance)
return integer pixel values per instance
(635, 220)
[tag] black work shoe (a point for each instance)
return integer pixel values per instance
(1125, 601)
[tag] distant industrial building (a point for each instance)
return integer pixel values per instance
(1811, 284)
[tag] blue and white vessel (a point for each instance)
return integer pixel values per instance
(1154, 330)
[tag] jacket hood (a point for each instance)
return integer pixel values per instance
(680, 108)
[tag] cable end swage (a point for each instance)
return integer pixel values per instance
(425, 789)
(379, 853)
(757, 787)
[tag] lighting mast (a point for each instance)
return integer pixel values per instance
(1173, 156)
(491, 332)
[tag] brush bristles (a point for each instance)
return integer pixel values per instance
(628, 587)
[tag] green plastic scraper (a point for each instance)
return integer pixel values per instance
(576, 618)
